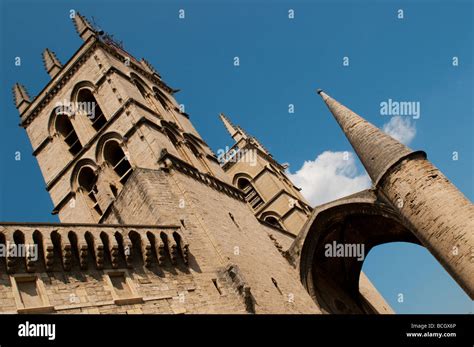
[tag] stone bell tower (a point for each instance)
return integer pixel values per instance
(149, 218)
(268, 191)
(102, 116)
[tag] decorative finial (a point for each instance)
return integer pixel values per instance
(83, 27)
(51, 63)
(20, 97)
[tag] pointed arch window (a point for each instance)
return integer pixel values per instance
(273, 221)
(87, 180)
(88, 105)
(251, 194)
(173, 138)
(115, 156)
(162, 98)
(193, 149)
(64, 127)
(197, 152)
(141, 89)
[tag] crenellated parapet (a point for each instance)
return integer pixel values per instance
(29, 247)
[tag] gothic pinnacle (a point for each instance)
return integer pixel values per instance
(20, 97)
(51, 63)
(83, 27)
(234, 131)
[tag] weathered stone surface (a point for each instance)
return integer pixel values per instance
(435, 211)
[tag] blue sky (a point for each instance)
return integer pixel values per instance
(282, 62)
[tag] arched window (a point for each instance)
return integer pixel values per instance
(64, 127)
(141, 89)
(114, 155)
(162, 98)
(87, 180)
(273, 221)
(193, 149)
(171, 136)
(197, 152)
(88, 105)
(251, 195)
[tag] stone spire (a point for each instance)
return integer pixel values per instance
(51, 63)
(439, 215)
(83, 27)
(376, 150)
(236, 132)
(20, 97)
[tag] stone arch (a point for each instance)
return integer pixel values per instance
(82, 85)
(99, 149)
(115, 154)
(164, 100)
(37, 237)
(61, 126)
(84, 100)
(74, 242)
(136, 243)
(273, 218)
(84, 179)
(193, 144)
(244, 175)
(243, 181)
(142, 86)
(171, 125)
(360, 219)
(171, 131)
(77, 168)
(135, 78)
(58, 110)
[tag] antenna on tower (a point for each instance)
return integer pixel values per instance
(97, 27)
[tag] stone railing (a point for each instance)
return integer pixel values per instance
(34, 247)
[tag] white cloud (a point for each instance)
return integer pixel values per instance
(332, 175)
(401, 129)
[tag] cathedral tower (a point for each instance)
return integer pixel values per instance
(268, 191)
(149, 219)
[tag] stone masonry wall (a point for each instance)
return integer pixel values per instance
(221, 231)
(442, 217)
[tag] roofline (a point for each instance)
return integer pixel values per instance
(68, 69)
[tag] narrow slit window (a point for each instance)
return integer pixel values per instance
(214, 281)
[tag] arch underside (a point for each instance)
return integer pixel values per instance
(331, 279)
